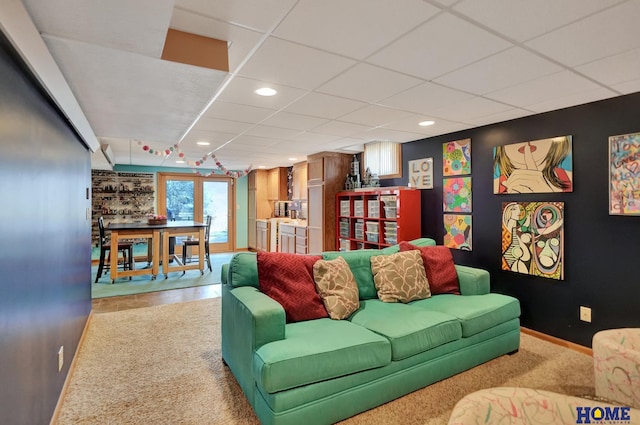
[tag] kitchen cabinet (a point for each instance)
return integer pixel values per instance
(262, 235)
(277, 184)
(258, 205)
(326, 176)
(299, 184)
(287, 238)
(377, 218)
(301, 239)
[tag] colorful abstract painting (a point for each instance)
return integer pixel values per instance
(456, 158)
(533, 238)
(624, 174)
(539, 166)
(456, 194)
(457, 231)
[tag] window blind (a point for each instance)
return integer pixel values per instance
(383, 159)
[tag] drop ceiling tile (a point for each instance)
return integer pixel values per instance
(524, 19)
(310, 68)
(607, 32)
(346, 27)
(138, 27)
(470, 109)
(314, 139)
(368, 83)
(272, 132)
(216, 138)
(294, 121)
(425, 98)
(504, 69)
(240, 41)
(614, 69)
(628, 87)
(248, 140)
(340, 128)
(554, 86)
(572, 99)
(324, 106)
(411, 124)
(241, 90)
(235, 112)
(500, 117)
(256, 14)
(375, 115)
(427, 53)
(388, 134)
(206, 123)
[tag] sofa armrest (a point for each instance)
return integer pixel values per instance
(250, 319)
(473, 281)
(224, 274)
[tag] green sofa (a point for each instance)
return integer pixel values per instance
(322, 371)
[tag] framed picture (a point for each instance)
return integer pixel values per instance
(624, 174)
(456, 194)
(457, 231)
(533, 238)
(456, 158)
(421, 173)
(538, 166)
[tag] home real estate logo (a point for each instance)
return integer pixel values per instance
(603, 415)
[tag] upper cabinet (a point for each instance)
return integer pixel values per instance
(277, 184)
(299, 191)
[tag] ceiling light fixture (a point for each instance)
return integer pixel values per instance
(426, 123)
(293, 159)
(203, 143)
(266, 91)
(179, 161)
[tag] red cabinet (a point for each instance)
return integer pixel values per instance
(377, 218)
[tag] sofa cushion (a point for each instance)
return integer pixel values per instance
(400, 277)
(416, 242)
(288, 279)
(476, 313)
(439, 267)
(360, 264)
(410, 330)
(318, 350)
(337, 287)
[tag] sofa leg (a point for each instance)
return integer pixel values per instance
(511, 353)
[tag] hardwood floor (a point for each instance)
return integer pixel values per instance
(127, 302)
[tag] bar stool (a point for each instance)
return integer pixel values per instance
(126, 248)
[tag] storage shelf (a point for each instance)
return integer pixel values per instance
(374, 207)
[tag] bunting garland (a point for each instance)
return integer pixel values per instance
(194, 164)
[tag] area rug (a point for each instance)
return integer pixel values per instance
(141, 284)
(162, 365)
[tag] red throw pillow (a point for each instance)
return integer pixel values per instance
(288, 279)
(439, 267)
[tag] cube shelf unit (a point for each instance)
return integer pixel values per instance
(375, 218)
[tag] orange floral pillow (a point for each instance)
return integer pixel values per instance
(337, 287)
(400, 277)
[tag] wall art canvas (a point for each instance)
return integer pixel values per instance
(421, 173)
(456, 194)
(533, 238)
(457, 231)
(624, 174)
(456, 158)
(538, 166)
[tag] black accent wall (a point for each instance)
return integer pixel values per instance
(602, 252)
(45, 251)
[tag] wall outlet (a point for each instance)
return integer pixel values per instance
(585, 314)
(60, 358)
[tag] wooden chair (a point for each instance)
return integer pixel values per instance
(195, 242)
(126, 248)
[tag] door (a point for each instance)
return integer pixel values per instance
(184, 197)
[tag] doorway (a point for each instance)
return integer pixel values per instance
(190, 197)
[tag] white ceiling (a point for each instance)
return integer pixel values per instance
(347, 71)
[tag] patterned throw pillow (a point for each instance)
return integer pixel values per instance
(400, 277)
(438, 266)
(337, 287)
(288, 279)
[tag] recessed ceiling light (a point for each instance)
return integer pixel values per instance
(293, 159)
(203, 143)
(426, 123)
(266, 91)
(179, 161)
(261, 166)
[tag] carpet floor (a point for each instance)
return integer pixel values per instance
(162, 365)
(141, 284)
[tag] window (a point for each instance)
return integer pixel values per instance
(383, 159)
